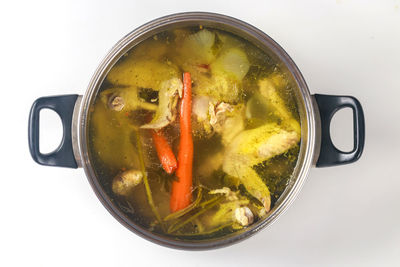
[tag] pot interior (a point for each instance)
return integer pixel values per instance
(99, 176)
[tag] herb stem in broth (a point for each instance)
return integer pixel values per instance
(209, 232)
(146, 180)
(186, 210)
(204, 207)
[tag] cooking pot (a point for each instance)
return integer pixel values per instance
(316, 112)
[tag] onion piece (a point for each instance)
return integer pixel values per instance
(233, 62)
(197, 47)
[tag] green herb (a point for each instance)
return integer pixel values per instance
(186, 210)
(209, 232)
(205, 206)
(146, 180)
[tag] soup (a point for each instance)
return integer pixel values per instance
(195, 133)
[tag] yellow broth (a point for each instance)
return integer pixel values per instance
(256, 135)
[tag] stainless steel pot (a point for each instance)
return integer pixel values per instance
(316, 111)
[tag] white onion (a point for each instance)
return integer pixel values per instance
(233, 61)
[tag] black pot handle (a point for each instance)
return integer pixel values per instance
(328, 105)
(63, 156)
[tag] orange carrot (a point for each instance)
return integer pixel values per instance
(164, 152)
(182, 189)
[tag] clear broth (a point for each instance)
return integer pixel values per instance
(113, 146)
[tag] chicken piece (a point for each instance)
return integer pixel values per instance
(144, 68)
(142, 72)
(151, 48)
(229, 194)
(213, 116)
(125, 99)
(232, 126)
(226, 120)
(233, 209)
(221, 118)
(168, 99)
(244, 216)
(219, 86)
(113, 132)
(268, 89)
(252, 147)
(218, 114)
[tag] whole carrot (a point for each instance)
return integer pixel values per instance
(164, 152)
(182, 189)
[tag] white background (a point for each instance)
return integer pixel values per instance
(347, 215)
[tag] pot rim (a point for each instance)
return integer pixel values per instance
(308, 124)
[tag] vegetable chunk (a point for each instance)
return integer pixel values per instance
(143, 73)
(252, 147)
(181, 193)
(168, 99)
